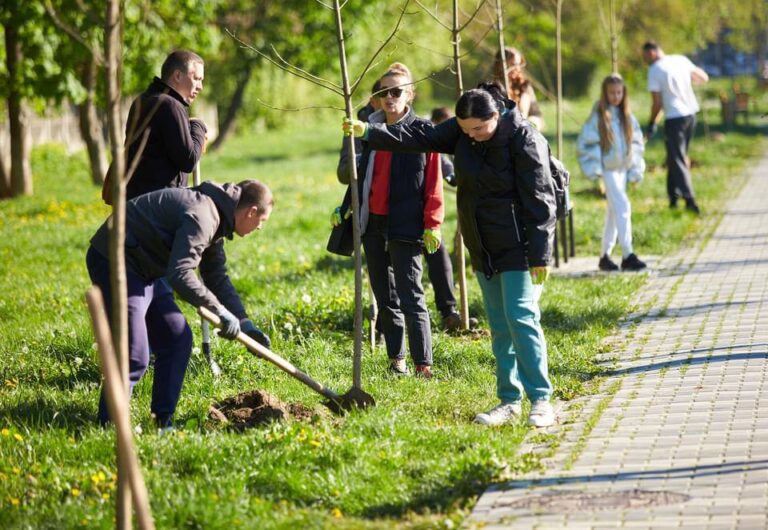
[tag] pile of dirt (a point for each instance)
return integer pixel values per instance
(256, 407)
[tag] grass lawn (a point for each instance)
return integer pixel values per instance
(414, 461)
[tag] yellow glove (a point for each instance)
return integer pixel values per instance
(355, 127)
(336, 216)
(432, 238)
(539, 275)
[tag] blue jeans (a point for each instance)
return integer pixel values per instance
(154, 322)
(512, 305)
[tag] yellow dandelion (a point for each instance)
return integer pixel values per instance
(5, 432)
(95, 478)
(16, 470)
(315, 443)
(336, 513)
(18, 437)
(75, 492)
(105, 496)
(14, 501)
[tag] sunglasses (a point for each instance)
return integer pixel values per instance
(394, 92)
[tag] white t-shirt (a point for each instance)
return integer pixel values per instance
(671, 75)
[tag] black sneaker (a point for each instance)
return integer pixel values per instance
(606, 264)
(691, 206)
(452, 322)
(632, 263)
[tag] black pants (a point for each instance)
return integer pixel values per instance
(677, 134)
(394, 268)
(440, 272)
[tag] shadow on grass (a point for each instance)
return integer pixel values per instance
(456, 489)
(554, 318)
(42, 411)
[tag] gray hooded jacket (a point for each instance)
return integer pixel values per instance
(171, 232)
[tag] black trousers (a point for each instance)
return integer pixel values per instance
(440, 272)
(395, 271)
(677, 134)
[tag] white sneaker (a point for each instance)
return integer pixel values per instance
(542, 414)
(500, 414)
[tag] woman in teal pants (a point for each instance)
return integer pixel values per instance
(506, 206)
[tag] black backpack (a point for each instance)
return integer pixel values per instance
(561, 180)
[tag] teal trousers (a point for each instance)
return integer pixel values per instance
(512, 306)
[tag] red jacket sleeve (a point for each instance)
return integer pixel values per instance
(434, 211)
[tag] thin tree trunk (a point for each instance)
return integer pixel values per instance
(5, 178)
(113, 54)
(614, 38)
(20, 171)
(90, 124)
(357, 359)
(461, 262)
(502, 47)
(235, 104)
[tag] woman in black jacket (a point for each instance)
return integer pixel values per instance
(506, 209)
(401, 203)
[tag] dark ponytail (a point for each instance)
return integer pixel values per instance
(481, 102)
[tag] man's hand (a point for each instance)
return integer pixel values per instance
(354, 127)
(336, 216)
(432, 238)
(247, 327)
(230, 325)
(539, 275)
(651, 130)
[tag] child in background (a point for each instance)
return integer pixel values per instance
(611, 147)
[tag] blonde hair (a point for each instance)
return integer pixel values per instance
(603, 110)
(400, 70)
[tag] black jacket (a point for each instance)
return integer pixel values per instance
(171, 232)
(505, 195)
(406, 185)
(174, 144)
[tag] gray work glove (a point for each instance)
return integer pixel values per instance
(255, 333)
(230, 325)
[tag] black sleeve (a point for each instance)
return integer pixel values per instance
(213, 270)
(537, 195)
(416, 137)
(343, 170)
(183, 139)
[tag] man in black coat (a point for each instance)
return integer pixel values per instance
(174, 142)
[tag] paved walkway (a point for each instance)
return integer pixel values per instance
(683, 441)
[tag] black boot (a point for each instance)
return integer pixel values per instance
(691, 206)
(605, 264)
(632, 263)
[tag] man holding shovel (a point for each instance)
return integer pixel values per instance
(168, 234)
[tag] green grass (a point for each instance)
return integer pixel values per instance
(414, 461)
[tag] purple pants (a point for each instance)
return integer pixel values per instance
(156, 324)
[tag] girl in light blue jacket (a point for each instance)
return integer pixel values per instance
(611, 147)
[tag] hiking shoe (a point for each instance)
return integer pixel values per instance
(423, 370)
(398, 367)
(500, 414)
(606, 264)
(542, 414)
(632, 263)
(452, 322)
(691, 206)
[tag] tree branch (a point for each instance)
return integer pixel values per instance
(297, 72)
(434, 16)
(265, 104)
(368, 66)
(471, 18)
(477, 42)
(66, 28)
(306, 73)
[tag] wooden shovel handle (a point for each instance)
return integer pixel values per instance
(268, 355)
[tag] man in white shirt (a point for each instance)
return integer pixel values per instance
(670, 82)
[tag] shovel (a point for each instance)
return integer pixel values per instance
(355, 398)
